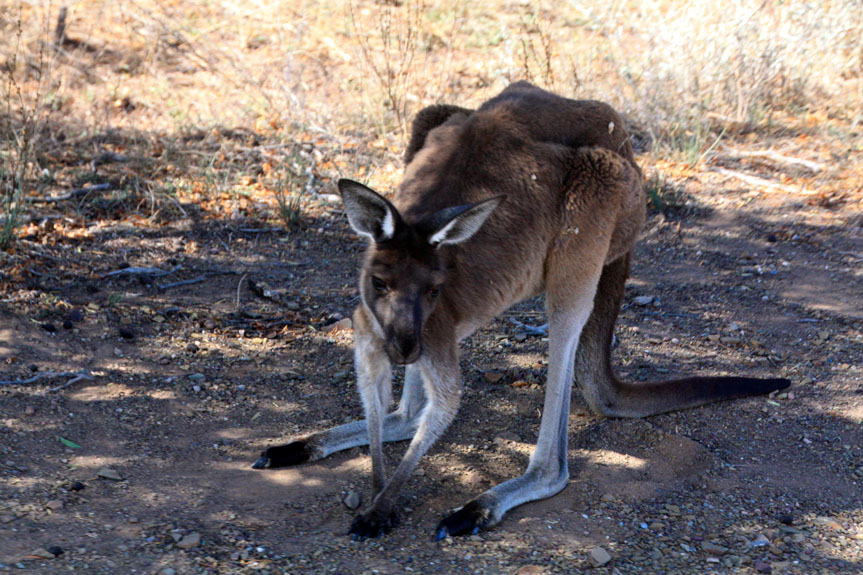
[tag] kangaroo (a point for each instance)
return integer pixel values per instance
(530, 193)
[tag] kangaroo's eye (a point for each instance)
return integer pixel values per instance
(434, 292)
(379, 285)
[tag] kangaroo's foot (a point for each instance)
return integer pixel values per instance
(292, 453)
(373, 524)
(470, 519)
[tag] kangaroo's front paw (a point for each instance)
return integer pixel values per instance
(468, 520)
(286, 455)
(372, 524)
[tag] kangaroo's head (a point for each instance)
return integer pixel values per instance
(404, 273)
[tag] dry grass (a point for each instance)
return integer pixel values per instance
(348, 76)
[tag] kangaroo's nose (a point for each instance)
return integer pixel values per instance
(405, 346)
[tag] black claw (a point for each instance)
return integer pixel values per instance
(292, 453)
(468, 520)
(372, 525)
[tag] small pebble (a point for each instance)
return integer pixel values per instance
(599, 556)
(353, 500)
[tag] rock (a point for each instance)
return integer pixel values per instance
(190, 541)
(49, 327)
(474, 478)
(763, 567)
(42, 553)
(29, 411)
(108, 473)
(506, 436)
(192, 347)
(353, 500)
(493, 376)
(168, 571)
(760, 541)
(54, 505)
(530, 570)
(197, 377)
(607, 497)
(599, 556)
(713, 549)
(643, 300)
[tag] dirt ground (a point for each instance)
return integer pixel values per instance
(189, 383)
(155, 336)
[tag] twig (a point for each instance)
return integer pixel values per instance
(75, 375)
(194, 280)
(239, 289)
(777, 157)
(761, 182)
(140, 271)
(260, 230)
(76, 193)
(851, 255)
(197, 280)
(106, 158)
(81, 377)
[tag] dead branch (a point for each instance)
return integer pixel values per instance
(140, 271)
(195, 280)
(239, 291)
(776, 157)
(75, 193)
(762, 183)
(83, 376)
(75, 375)
(106, 158)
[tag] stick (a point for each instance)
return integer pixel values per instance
(761, 182)
(777, 157)
(75, 375)
(239, 290)
(76, 193)
(196, 280)
(137, 271)
(81, 377)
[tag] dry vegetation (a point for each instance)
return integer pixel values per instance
(249, 84)
(206, 137)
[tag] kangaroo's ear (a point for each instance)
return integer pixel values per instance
(459, 223)
(369, 213)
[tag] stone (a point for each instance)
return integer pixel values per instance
(353, 500)
(108, 473)
(42, 553)
(713, 549)
(763, 567)
(54, 505)
(190, 541)
(506, 436)
(530, 570)
(643, 300)
(599, 556)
